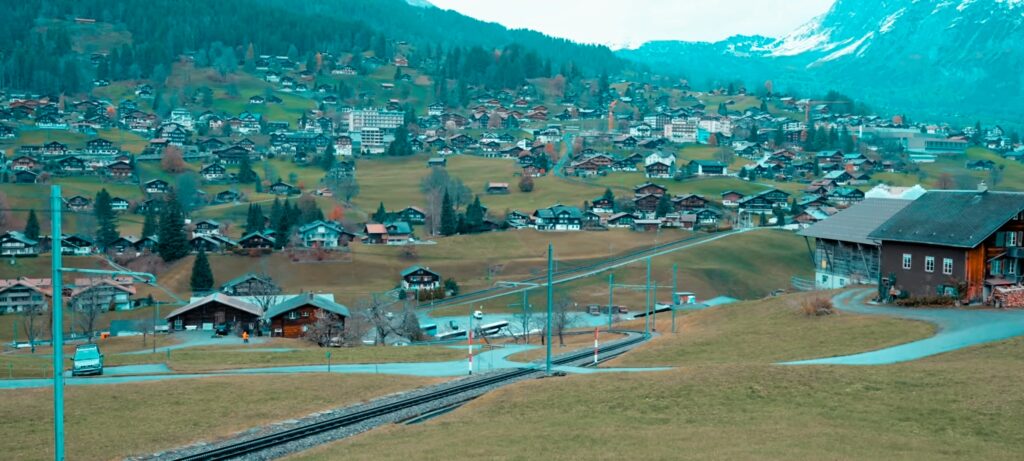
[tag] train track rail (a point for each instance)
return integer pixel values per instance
(246, 448)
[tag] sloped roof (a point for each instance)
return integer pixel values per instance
(307, 299)
(854, 224)
(960, 219)
(411, 269)
(221, 298)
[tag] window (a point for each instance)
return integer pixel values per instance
(996, 268)
(947, 266)
(1011, 239)
(1011, 267)
(906, 261)
(929, 264)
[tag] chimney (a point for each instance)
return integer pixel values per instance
(982, 187)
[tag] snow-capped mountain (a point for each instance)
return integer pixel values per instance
(933, 57)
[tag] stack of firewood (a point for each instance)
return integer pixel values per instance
(1010, 296)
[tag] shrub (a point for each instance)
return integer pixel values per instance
(816, 307)
(926, 301)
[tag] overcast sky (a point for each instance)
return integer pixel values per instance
(632, 22)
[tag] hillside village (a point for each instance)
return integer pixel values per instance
(261, 180)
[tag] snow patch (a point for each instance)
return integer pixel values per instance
(808, 37)
(846, 50)
(889, 21)
(964, 4)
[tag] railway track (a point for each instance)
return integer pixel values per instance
(250, 447)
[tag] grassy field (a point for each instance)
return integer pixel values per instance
(742, 266)
(725, 400)
(374, 268)
(116, 421)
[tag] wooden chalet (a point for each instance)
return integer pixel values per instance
(418, 278)
(214, 310)
(293, 317)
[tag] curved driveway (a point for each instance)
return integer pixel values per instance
(958, 328)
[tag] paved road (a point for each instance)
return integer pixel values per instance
(485, 361)
(958, 329)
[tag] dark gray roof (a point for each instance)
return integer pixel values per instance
(855, 223)
(307, 299)
(960, 219)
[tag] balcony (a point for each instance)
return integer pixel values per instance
(1015, 252)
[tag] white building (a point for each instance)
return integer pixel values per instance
(682, 130)
(374, 118)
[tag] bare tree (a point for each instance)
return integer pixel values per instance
(725, 155)
(327, 327)
(562, 318)
(408, 324)
(33, 323)
(90, 304)
(265, 293)
(374, 311)
(527, 320)
(355, 329)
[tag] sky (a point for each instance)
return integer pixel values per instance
(630, 23)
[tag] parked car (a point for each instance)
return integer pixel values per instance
(88, 360)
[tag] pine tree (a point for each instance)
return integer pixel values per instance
(381, 215)
(449, 222)
(845, 140)
(327, 159)
(173, 243)
(150, 226)
(277, 214)
(202, 275)
(608, 195)
(764, 105)
(664, 206)
(254, 219)
(474, 215)
(106, 220)
(245, 173)
(32, 225)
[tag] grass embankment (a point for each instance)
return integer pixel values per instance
(571, 342)
(728, 401)
(209, 359)
(744, 266)
(116, 421)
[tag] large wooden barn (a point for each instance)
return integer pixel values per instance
(209, 312)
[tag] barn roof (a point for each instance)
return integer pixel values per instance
(854, 224)
(305, 299)
(960, 219)
(222, 298)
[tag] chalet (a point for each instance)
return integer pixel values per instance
(375, 234)
(621, 220)
(14, 243)
(689, 202)
(497, 188)
(215, 310)
(437, 162)
(121, 245)
(846, 196)
(23, 293)
(293, 317)
(100, 146)
(706, 218)
(148, 243)
(602, 205)
(399, 232)
(257, 99)
(839, 177)
(232, 155)
(687, 221)
(250, 284)
(948, 240)
(650, 189)
(76, 246)
(418, 278)
(91, 294)
(211, 144)
(23, 162)
(156, 186)
(646, 203)
(256, 241)
(206, 244)
(78, 203)
(765, 201)
(213, 172)
(731, 198)
(119, 204)
(707, 168)
(412, 215)
(55, 149)
(226, 196)
(647, 225)
(150, 205)
(558, 218)
(323, 234)
(120, 170)
(7, 132)
(282, 188)
(517, 219)
(658, 170)
(206, 227)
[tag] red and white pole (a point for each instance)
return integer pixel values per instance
(470, 351)
(595, 346)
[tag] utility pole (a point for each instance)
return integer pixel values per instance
(675, 289)
(611, 290)
(654, 305)
(156, 317)
(526, 316)
(57, 335)
(647, 307)
(551, 299)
